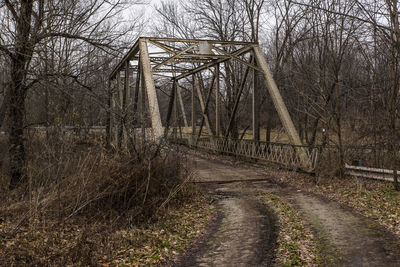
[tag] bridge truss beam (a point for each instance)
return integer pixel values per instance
(179, 60)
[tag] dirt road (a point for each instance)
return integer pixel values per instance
(244, 231)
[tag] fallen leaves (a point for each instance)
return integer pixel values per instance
(78, 243)
(154, 243)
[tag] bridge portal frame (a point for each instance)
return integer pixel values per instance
(178, 59)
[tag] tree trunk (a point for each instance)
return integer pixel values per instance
(269, 127)
(393, 135)
(18, 90)
(16, 115)
(4, 108)
(393, 109)
(394, 151)
(394, 35)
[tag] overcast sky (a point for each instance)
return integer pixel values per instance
(149, 8)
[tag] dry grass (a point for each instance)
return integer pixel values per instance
(78, 195)
(374, 199)
(297, 245)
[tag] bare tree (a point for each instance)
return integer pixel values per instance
(28, 29)
(393, 12)
(370, 20)
(330, 60)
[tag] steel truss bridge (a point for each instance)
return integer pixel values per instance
(136, 97)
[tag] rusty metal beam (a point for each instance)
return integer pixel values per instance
(255, 106)
(193, 109)
(205, 112)
(162, 46)
(170, 109)
(178, 90)
(143, 108)
(174, 57)
(156, 41)
(176, 40)
(169, 71)
(281, 107)
(164, 70)
(237, 58)
(210, 56)
(208, 65)
(217, 101)
(186, 59)
(126, 102)
(120, 110)
(236, 105)
(181, 54)
(193, 56)
(204, 107)
(136, 96)
(162, 75)
(131, 53)
(126, 85)
(150, 89)
(176, 122)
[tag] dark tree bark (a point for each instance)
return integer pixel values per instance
(26, 30)
(4, 106)
(18, 90)
(394, 34)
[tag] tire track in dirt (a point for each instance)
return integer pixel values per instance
(350, 238)
(243, 233)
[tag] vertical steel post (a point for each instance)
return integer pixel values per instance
(120, 110)
(114, 117)
(135, 114)
(171, 105)
(143, 108)
(193, 114)
(174, 87)
(126, 100)
(217, 102)
(178, 88)
(150, 89)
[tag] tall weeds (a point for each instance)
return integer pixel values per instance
(79, 195)
(68, 176)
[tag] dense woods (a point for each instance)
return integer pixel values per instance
(335, 63)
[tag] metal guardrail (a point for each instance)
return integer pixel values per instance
(372, 173)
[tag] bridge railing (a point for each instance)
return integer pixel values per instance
(320, 159)
(283, 154)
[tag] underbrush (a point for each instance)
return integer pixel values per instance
(78, 195)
